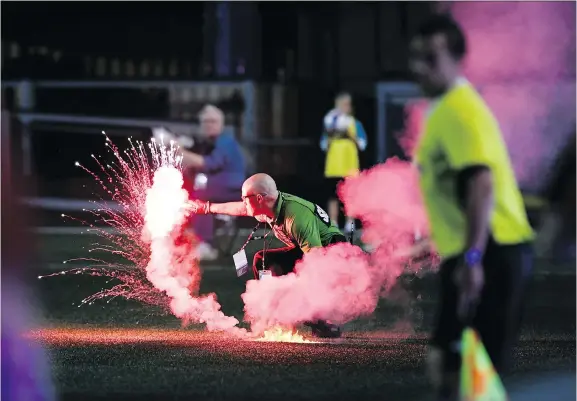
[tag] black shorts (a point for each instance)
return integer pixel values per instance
(331, 187)
(281, 261)
(498, 315)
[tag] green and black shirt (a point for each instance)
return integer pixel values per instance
(303, 224)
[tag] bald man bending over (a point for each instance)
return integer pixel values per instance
(300, 224)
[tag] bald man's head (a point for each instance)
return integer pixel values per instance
(259, 193)
(259, 183)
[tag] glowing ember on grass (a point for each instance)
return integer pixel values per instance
(121, 335)
(279, 334)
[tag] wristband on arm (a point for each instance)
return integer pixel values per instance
(472, 257)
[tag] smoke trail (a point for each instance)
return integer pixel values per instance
(168, 269)
(387, 200)
(341, 282)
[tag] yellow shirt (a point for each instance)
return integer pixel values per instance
(461, 132)
(343, 155)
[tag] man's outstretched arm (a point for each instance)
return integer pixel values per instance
(229, 208)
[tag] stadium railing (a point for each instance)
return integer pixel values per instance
(271, 153)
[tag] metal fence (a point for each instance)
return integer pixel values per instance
(49, 137)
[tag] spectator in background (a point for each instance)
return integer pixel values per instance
(342, 139)
(217, 176)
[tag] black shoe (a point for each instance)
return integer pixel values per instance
(322, 329)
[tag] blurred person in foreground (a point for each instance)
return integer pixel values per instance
(217, 176)
(343, 137)
(478, 221)
(300, 224)
(556, 239)
(26, 372)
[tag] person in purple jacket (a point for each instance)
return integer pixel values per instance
(25, 368)
(218, 175)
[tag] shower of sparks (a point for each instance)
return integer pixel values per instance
(143, 231)
(125, 181)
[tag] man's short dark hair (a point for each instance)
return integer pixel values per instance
(446, 25)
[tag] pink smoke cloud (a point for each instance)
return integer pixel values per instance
(388, 201)
(522, 58)
(342, 282)
(518, 41)
(332, 283)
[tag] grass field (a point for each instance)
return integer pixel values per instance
(124, 350)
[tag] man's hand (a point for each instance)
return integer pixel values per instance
(191, 159)
(470, 280)
(199, 207)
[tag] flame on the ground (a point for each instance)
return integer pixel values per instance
(284, 335)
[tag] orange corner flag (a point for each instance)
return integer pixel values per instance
(479, 380)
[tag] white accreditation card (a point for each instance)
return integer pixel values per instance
(240, 263)
(264, 274)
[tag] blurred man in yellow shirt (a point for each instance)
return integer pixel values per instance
(342, 139)
(478, 221)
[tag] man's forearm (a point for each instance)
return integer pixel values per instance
(191, 159)
(479, 206)
(230, 208)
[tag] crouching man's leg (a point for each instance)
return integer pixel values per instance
(281, 261)
(278, 261)
(322, 328)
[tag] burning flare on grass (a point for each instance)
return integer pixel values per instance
(279, 334)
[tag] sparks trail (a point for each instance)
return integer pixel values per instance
(160, 265)
(126, 180)
(132, 284)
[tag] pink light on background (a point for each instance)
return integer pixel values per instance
(518, 40)
(415, 116)
(522, 57)
(536, 121)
